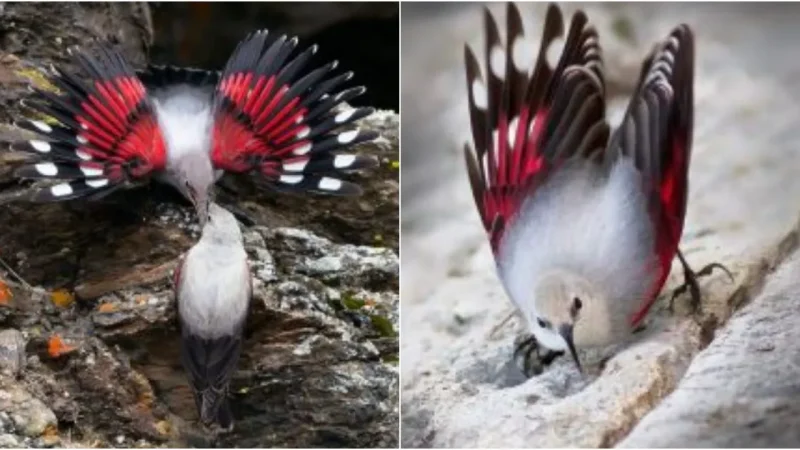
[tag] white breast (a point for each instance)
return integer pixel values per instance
(584, 222)
(214, 291)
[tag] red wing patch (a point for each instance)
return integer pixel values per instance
(663, 106)
(527, 124)
(106, 136)
(284, 124)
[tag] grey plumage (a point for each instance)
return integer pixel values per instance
(213, 289)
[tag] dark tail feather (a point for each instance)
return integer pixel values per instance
(224, 414)
(214, 408)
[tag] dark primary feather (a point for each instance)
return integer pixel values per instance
(106, 135)
(559, 114)
(656, 132)
(279, 120)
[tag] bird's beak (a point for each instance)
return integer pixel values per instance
(200, 202)
(566, 333)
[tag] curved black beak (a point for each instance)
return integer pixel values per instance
(566, 333)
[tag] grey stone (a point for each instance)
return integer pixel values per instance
(12, 352)
(744, 389)
(29, 416)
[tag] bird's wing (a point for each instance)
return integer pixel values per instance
(278, 121)
(101, 133)
(656, 132)
(531, 122)
(155, 76)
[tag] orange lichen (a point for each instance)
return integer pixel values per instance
(56, 347)
(5, 293)
(62, 298)
(106, 308)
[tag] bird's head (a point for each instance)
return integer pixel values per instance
(561, 299)
(221, 226)
(195, 179)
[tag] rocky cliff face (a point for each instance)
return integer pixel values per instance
(88, 339)
(726, 377)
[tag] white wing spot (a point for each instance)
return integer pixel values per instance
(41, 126)
(553, 52)
(40, 146)
(296, 166)
(291, 179)
(520, 54)
(81, 140)
(60, 190)
(47, 169)
(330, 184)
(347, 136)
(303, 132)
(343, 161)
(344, 116)
(669, 56)
(300, 118)
(91, 171)
(479, 94)
(675, 42)
(303, 149)
(83, 155)
(497, 61)
(98, 183)
(512, 131)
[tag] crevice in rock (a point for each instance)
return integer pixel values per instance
(750, 288)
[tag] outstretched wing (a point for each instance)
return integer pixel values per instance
(531, 122)
(106, 135)
(279, 121)
(656, 132)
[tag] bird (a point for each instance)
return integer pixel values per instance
(213, 288)
(583, 221)
(266, 114)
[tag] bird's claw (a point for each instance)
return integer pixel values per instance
(528, 355)
(690, 282)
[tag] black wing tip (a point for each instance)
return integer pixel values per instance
(367, 136)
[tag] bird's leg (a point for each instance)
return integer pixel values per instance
(528, 355)
(690, 281)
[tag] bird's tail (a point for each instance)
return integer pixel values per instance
(214, 407)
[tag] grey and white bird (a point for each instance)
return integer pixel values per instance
(266, 114)
(584, 223)
(213, 289)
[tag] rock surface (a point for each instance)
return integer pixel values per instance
(319, 367)
(459, 388)
(743, 390)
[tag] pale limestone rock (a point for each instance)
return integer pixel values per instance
(744, 389)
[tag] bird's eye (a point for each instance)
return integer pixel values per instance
(577, 304)
(543, 323)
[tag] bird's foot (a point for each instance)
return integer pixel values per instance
(530, 357)
(690, 282)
